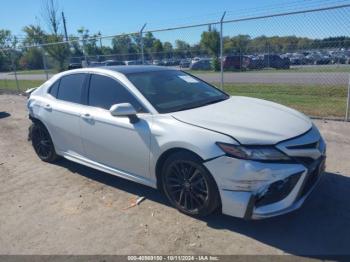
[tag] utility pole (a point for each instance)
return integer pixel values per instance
(141, 42)
(64, 26)
(44, 63)
(13, 62)
(221, 55)
(99, 34)
(347, 117)
(268, 55)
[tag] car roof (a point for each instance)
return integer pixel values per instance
(135, 68)
(122, 69)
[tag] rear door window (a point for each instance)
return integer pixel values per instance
(70, 88)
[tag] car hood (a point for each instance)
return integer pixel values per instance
(251, 121)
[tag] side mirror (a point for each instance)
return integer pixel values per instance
(124, 109)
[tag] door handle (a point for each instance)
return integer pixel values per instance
(86, 116)
(47, 107)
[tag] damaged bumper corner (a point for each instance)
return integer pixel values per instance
(255, 190)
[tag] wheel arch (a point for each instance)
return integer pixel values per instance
(164, 156)
(37, 120)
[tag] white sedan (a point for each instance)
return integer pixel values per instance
(169, 130)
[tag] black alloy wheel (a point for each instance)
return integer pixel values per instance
(189, 186)
(42, 142)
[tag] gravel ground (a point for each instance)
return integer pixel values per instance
(66, 208)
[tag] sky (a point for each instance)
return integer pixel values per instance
(112, 17)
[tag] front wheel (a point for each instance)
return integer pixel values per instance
(189, 186)
(42, 142)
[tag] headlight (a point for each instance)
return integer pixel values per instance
(260, 153)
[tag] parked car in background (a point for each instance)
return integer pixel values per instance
(298, 59)
(201, 64)
(95, 64)
(74, 66)
(277, 62)
(133, 62)
(338, 57)
(256, 62)
(156, 62)
(318, 58)
(166, 129)
(113, 62)
(236, 62)
(195, 59)
(185, 63)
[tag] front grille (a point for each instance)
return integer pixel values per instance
(306, 161)
(305, 149)
(305, 146)
(313, 176)
(277, 190)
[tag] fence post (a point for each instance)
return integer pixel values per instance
(141, 43)
(13, 63)
(86, 63)
(221, 51)
(348, 103)
(44, 63)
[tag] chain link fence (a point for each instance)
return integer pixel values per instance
(300, 59)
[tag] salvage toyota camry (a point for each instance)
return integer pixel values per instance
(169, 130)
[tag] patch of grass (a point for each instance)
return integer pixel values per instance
(313, 100)
(320, 69)
(293, 69)
(10, 85)
(194, 72)
(35, 72)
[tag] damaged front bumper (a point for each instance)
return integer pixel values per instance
(255, 190)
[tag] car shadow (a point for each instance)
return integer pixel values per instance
(113, 181)
(4, 115)
(321, 227)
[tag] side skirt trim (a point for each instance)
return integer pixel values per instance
(109, 170)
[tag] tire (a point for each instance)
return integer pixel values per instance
(188, 185)
(42, 143)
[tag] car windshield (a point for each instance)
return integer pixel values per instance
(173, 90)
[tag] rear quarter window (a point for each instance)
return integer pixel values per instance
(53, 90)
(70, 88)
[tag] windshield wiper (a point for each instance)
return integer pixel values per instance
(200, 104)
(213, 101)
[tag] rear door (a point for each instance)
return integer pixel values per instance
(63, 113)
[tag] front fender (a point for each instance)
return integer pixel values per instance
(168, 133)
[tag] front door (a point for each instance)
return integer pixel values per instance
(115, 141)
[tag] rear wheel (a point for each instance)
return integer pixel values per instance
(42, 142)
(188, 185)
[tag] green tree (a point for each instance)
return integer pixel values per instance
(125, 46)
(168, 49)
(157, 49)
(7, 40)
(35, 35)
(210, 40)
(59, 52)
(182, 48)
(32, 57)
(237, 44)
